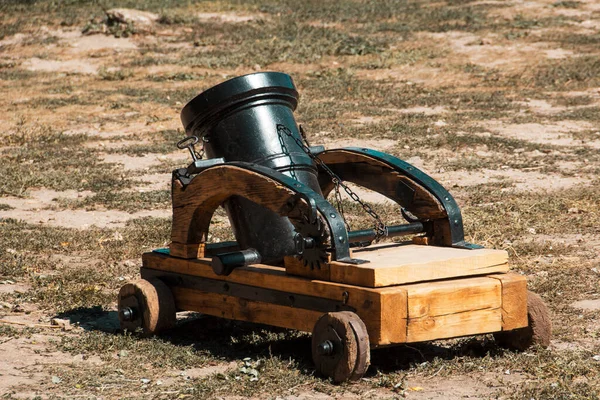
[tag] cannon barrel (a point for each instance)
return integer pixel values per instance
(238, 120)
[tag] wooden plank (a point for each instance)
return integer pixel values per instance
(369, 303)
(245, 310)
(453, 308)
(453, 296)
(396, 264)
(454, 325)
(514, 300)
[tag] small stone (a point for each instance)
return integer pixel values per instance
(532, 231)
(17, 308)
(574, 210)
(65, 324)
(130, 16)
(145, 381)
(519, 150)
(56, 380)
(596, 357)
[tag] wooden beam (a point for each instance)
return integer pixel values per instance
(453, 308)
(514, 300)
(454, 325)
(378, 176)
(397, 264)
(245, 310)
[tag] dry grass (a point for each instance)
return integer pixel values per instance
(413, 70)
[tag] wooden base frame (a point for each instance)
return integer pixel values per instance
(392, 315)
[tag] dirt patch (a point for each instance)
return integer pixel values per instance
(154, 182)
(43, 198)
(84, 44)
(71, 66)
(517, 179)
(541, 107)
(34, 210)
(588, 305)
(144, 162)
(557, 133)
(81, 219)
(228, 17)
(22, 361)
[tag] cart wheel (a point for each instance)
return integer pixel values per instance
(538, 332)
(146, 305)
(340, 346)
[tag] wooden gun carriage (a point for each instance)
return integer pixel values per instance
(294, 263)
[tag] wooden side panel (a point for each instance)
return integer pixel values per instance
(397, 264)
(454, 325)
(245, 310)
(453, 308)
(514, 300)
(452, 297)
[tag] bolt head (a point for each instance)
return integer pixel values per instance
(127, 314)
(325, 348)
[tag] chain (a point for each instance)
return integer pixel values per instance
(380, 228)
(287, 152)
(340, 206)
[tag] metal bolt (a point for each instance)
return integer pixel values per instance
(325, 348)
(127, 314)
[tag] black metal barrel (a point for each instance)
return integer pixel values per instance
(238, 121)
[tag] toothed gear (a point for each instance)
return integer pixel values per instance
(311, 243)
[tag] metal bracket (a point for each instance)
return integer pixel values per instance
(184, 175)
(335, 223)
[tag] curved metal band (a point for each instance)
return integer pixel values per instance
(339, 234)
(427, 183)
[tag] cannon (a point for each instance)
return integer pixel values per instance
(294, 262)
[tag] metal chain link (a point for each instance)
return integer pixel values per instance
(380, 227)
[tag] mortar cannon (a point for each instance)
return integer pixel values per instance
(295, 264)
